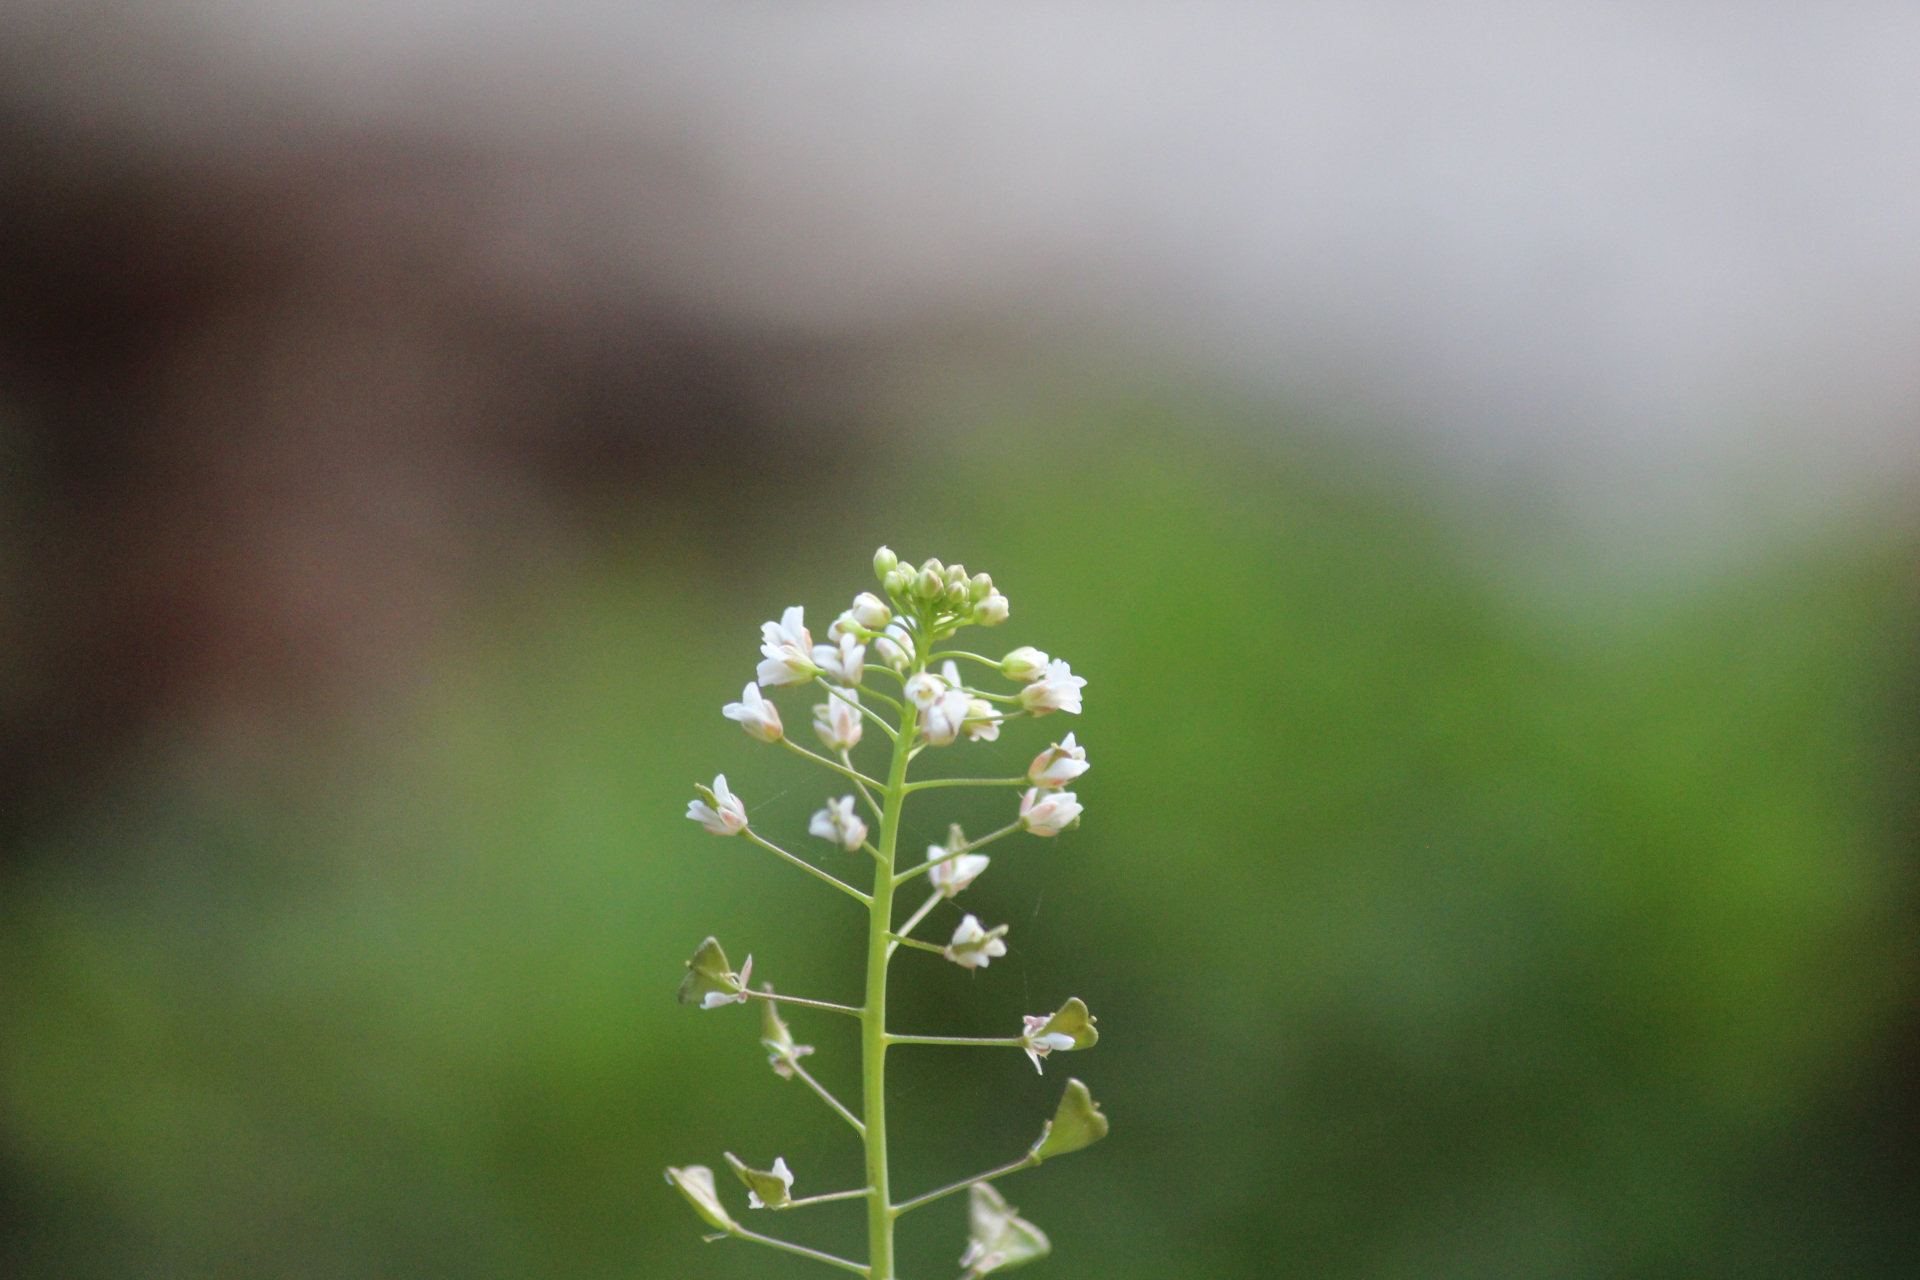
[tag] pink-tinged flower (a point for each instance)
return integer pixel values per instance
(840, 824)
(782, 1053)
(1024, 664)
(756, 715)
(974, 948)
(837, 720)
(845, 660)
(1048, 813)
(1039, 1045)
(1056, 690)
(720, 811)
(715, 999)
(870, 611)
(992, 611)
(943, 720)
(955, 873)
(789, 650)
(1058, 765)
(925, 689)
(894, 646)
(983, 722)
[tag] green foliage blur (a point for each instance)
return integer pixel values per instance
(1433, 931)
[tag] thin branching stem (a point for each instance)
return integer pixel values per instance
(831, 1195)
(800, 1249)
(1026, 1162)
(828, 1098)
(896, 940)
(805, 866)
(873, 806)
(915, 919)
(811, 1004)
(968, 847)
(825, 763)
(957, 653)
(886, 698)
(1010, 1042)
(968, 782)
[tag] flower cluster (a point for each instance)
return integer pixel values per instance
(915, 693)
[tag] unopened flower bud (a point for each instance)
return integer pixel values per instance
(928, 585)
(956, 597)
(1059, 764)
(997, 1236)
(979, 588)
(1048, 813)
(1023, 664)
(992, 611)
(883, 563)
(710, 983)
(1076, 1124)
(788, 649)
(973, 947)
(766, 1189)
(718, 810)
(759, 717)
(956, 573)
(840, 824)
(1057, 689)
(695, 1182)
(870, 611)
(898, 581)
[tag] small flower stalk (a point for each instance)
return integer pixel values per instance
(886, 675)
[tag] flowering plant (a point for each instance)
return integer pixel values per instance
(929, 708)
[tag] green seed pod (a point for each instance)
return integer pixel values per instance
(1076, 1123)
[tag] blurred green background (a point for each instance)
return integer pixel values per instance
(1452, 906)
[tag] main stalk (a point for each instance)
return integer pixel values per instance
(873, 1031)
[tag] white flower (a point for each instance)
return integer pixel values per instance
(785, 1175)
(1057, 690)
(973, 947)
(714, 999)
(992, 611)
(789, 650)
(837, 720)
(840, 824)
(1048, 813)
(845, 661)
(999, 1236)
(983, 722)
(943, 720)
(950, 672)
(955, 873)
(726, 816)
(870, 611)
(925, 689)
(756, 715)
(1059, 764)
(1039, 1046)
(1023, 664)
(894, 646)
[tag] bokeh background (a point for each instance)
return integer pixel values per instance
(1469, 449)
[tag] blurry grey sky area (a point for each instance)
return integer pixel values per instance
(1641, 252)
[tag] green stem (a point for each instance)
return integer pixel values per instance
(896, 939)
(969, 782)
(811, 1004)
(831, 1195)
(800, 1249)
(802, 863)
(968, 847)
(834, 765)
(873, 1030)
(828, 1098)
(915, 919)
(1012, 1042)
(1026, 1162)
